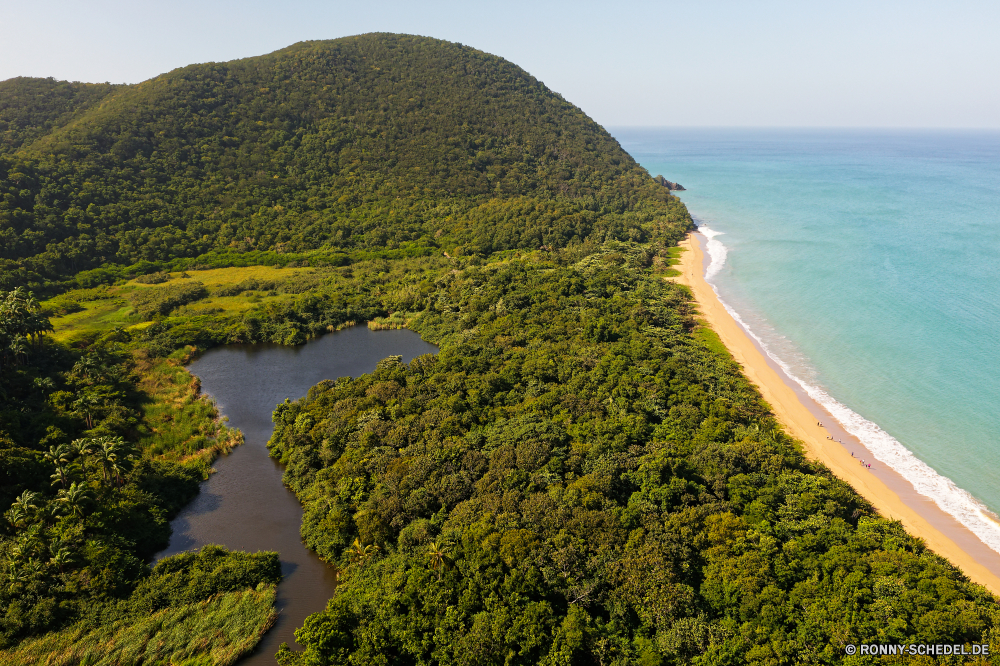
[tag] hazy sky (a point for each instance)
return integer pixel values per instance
(697, 62)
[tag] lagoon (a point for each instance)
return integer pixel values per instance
(244, 505)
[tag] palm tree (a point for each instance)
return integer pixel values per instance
(20, 323)
(62, 557)
(106, 450)
(18, 350)
(75, 497)
(359, 553)
(50, 512)
(112, 454)
(60, 456)
(87, 404)
(82, 448)
(118, 469)
(16, 516)
(16, 575)
(439, 559)
(88, 365)
(27, 501)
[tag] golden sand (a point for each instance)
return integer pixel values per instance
(789, 407)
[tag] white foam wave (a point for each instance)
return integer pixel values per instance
(953, 500)
(716, 252)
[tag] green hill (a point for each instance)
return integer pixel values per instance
(31, 108)
(375, 141)
(581, 475)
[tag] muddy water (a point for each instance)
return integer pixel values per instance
(244, 506)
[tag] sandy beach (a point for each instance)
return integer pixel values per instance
(887, 491)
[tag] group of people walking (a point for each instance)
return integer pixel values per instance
(830, 437)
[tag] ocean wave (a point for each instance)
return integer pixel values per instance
(951, 499)
(716, 252)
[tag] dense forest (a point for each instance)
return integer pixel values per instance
(581, 475)
(374, 142)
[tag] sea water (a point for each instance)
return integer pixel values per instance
(866, 263)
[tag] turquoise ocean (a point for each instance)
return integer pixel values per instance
(867, 264)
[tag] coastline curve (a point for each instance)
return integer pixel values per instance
(789, 398)
(952, 499)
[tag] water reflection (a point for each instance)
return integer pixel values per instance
(244, 506)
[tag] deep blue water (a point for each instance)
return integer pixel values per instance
(866, 261)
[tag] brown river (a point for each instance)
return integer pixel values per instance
(244, 506)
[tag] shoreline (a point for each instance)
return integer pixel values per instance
(891, 495)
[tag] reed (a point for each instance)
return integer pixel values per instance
(214, 632)
(394, 321)
(180, 423)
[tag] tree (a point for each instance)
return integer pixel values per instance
(360, 553)
(106, 451)
(62, 557)
(76, 497)
(88, 403)
(50, 513)
(82, 449)
(16, 516)
(27, 501)
(21, 326)
(60, 456)
(438, 557)
(112, 455)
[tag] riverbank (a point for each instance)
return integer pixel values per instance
(829, 444)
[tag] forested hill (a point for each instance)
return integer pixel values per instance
(31, 108)
(378, 141)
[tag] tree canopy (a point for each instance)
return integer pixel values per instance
(357, 143)
(582, 474)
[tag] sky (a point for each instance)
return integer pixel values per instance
(768, 63)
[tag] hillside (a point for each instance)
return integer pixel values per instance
(31, 108)
(581, 475)
(375, 141)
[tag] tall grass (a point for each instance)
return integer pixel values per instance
(394, 321)
(180, 423)
(215, 632)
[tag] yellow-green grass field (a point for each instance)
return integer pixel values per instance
(109, 307)
(215, 632)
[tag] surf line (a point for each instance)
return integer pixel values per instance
(950, 498)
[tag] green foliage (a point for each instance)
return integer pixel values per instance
(212, 602)
(578, 477)
(152, 301)
(214, 632)
(192, 577)
(84, 506)
(385, 145)
(31, 108)
(581, 475)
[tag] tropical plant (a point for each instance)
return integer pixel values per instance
(62, 558)
(61, 456)
(438, 557)
(16, 516)
(76, 498)
(360, 553)
(50, 512)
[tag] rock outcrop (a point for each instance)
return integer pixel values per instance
(668, 184)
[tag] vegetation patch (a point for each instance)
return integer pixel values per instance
(208, 607)
(147, 303)
(215, 632)
(179, 423)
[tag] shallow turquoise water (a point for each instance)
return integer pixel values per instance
(867, 262)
